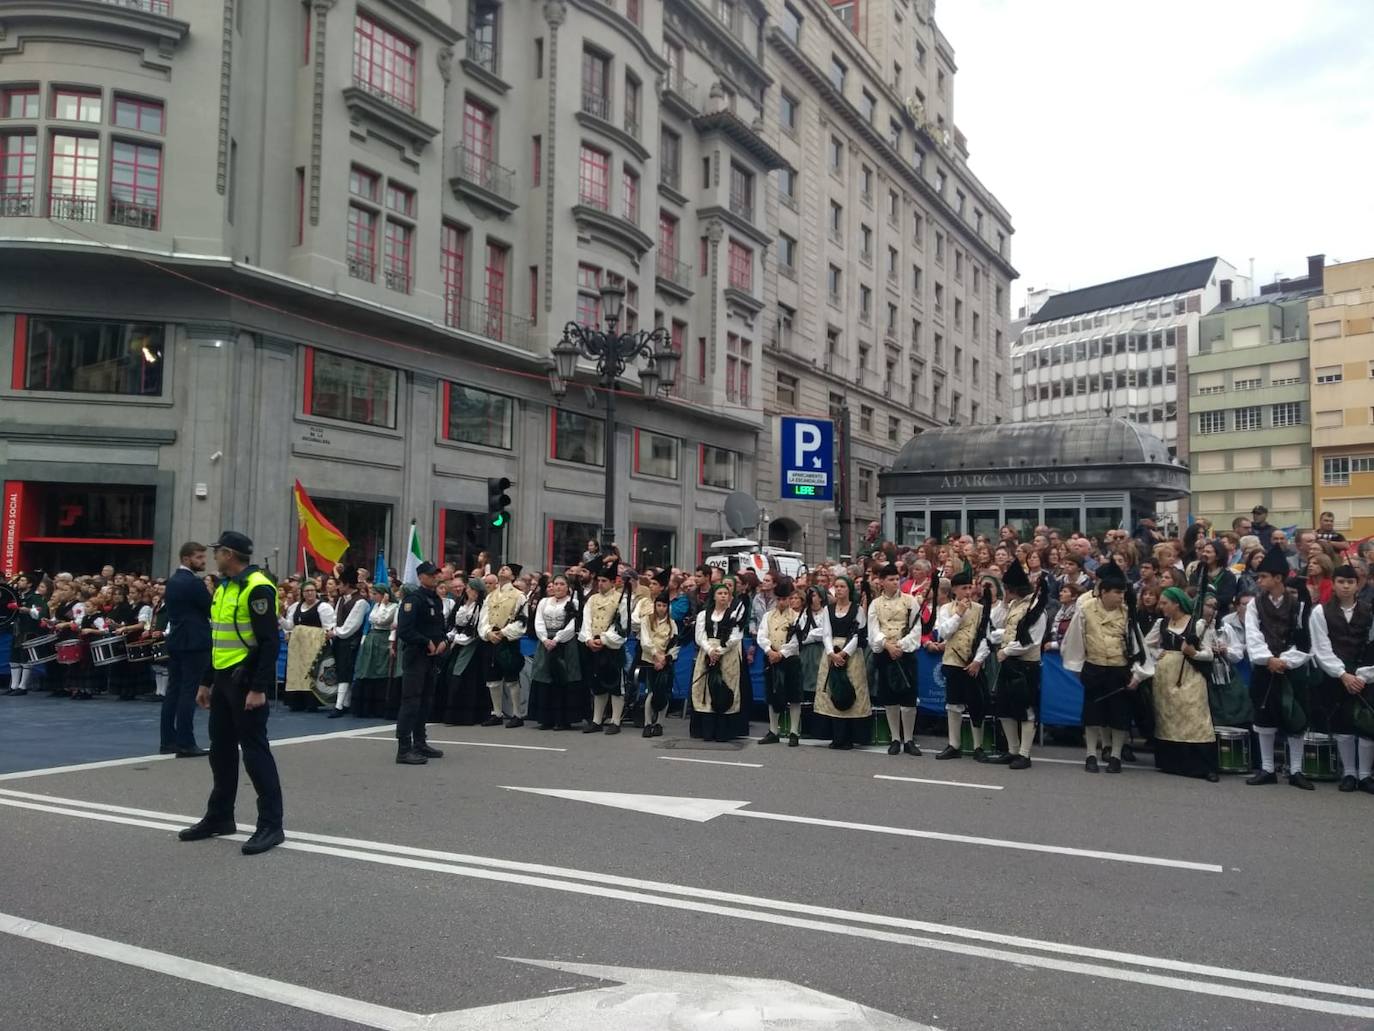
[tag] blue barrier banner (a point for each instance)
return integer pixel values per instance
(1061, 693)
(931, 689)
(682, 670)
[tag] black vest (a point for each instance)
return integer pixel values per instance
(1276, 622)
(1349, 640)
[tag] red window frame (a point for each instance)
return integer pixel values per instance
(131, 166)
(701, 359)
(534, 295)
(495, 278)
(536, 160)
(701, 467)
(29, 94)
(588, 295)
(705, 256)
(18, 167)
(300, 206)
(361, 245)
(479, 131)
(631, 189)
(397, 244)
(740, 265)
(350, 408)
(667, 235)
(632, 11)
(84, 157)
(362, 183)
(400, 199)
(148, 115)
(596, 74)
(87, 102)
(384, 61)
(594, 177)
(307, 30)
(453, 247)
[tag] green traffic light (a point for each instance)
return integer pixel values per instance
(498, 520)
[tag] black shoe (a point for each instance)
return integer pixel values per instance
(979, 756)
(1261, 777)
(336, 713)
(1019, 762)
(262, 840)
(1367, 785)
(422, 748)
(1127, 754)
(1347, 784)
(1299, 780)
(547, 726)
(835, 745)
(793, 741)
(769, 739)
(1005, 759)
(1114, 765)
(912, 748)
(948, 752)
(17, 692)
(592, 728)
(895, 748)
(1090, 764)
(494, 720)
(407, 757)
(8, 692)
(658, 730)
(191, 753)
(1211, 776)
(207, 829)
(612, 728)
(166, 751)
(648, 730)
(513, 722)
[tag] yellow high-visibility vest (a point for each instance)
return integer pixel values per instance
(231, 625)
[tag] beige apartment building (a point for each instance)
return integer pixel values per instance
(249, 242)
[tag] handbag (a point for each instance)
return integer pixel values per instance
(841, 689)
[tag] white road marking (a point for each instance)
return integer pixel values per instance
(472, 744)
(140, 760)
(452, 862)
(710, 762)
(701, 908)
(1079, 762)
(703, 809)
(945, 783)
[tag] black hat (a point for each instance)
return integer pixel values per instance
(514, 568)
(425, 568)
(348, 576)
(599, 567)
(234, 541)
(1110, 577)
(1015, 578)
(962, 578)
(1275, 561)
(784, 588)
(661, 577)
(888, 569)
(1345, 572)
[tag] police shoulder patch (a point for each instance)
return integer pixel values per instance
(259, 606)
(408, 606)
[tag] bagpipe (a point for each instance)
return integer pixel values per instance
(1292, 707)
(1191, 634)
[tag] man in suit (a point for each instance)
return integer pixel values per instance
(188, 651)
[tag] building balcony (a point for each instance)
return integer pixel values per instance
(69, 207)
(480, 180)
(494, 323)
(18, 205)
(632, 126)
(742, 204)
(482, 62)
(393, 115)
(593, 199)
(596, 104)
(674, 277)
(137, 216)
(159, 7)
(361, 266)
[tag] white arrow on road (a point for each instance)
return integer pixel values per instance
(700, 810)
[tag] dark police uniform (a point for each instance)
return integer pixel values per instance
(419, 624)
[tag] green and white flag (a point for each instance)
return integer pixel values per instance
(413, 559)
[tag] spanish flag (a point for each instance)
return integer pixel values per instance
(319, 537)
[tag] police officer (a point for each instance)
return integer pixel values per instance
(244, 645)
(420, 629)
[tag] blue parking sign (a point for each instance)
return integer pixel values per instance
(807, 465)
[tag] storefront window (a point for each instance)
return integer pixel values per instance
(477, 417)
(654, 547)
(719, 467)
(1100, 520)
(1023, 521)
(77, 528)
(367, 525)
(567, 542)
(465, 535)
(1065, 520)
(983, 521)
(87, 357)
(945, 523)
(656, 455)
(577, 438)
(349, 389)
(911, 529)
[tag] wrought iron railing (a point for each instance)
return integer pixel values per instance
(128, 213)
(481, 170)
(486, 320)
(70, 207)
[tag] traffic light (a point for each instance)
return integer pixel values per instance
(497, 502)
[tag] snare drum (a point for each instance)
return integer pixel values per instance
(1233, 750)
(159, 649)
(140, 650)
(71, 652)
(108, 651)
(39, 650)
(1319, 756)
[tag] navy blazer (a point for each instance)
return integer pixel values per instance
(188, 613)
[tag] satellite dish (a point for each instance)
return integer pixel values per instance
(741, 513)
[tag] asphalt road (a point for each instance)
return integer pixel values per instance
(407, 892)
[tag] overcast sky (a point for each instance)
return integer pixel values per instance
(1124, 137)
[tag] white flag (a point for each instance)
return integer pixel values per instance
(413, 559)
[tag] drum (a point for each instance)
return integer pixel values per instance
(140, 650)
(108, 651)
(324, 682)
(1233, 750)
(38, 650)
(1319, 756)
(990, 729)
(159, 649)
(882, 734)
(71, 652)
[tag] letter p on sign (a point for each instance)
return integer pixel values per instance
(808, 440)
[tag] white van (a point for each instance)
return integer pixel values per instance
(735, 553)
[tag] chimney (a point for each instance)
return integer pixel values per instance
(1316, 263)
(1225, 291)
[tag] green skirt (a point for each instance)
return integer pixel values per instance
(374, 659)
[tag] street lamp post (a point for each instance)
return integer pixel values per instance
(612, 354)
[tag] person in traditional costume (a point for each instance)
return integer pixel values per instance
(842, 681)
(373, 672)
(350, 616)
(782, 671)
(658, 650)
(556, 700)
(605, 625)
(1341, 646)
(1104, 646)
(465, 689)
(715, 674)
(1272, 624)
(958, 624)
(811, 637)
(303, 650)
(501, 626)
(1017, 640)
(894, 635)
(1180, 646)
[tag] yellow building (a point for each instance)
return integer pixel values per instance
(1341, 323)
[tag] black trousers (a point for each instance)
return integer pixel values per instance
(1106, 703)
(233, 729)
(418, 672)
(178, 725)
